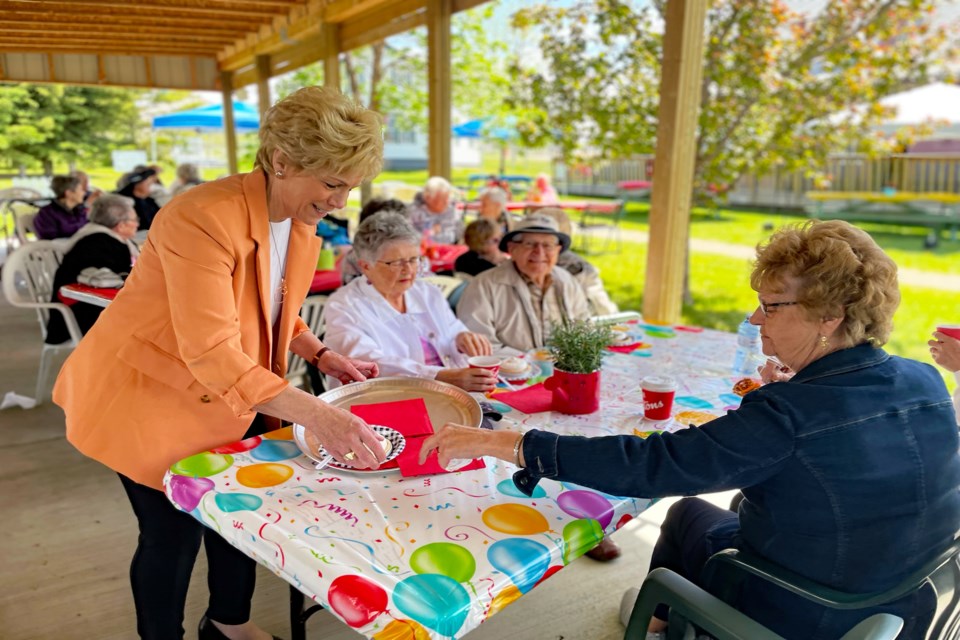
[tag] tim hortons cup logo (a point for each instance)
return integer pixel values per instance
(647, 406)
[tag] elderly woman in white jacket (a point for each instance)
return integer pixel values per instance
(391, 318)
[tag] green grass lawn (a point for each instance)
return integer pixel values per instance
(722, 294)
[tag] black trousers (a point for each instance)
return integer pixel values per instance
(166, 552)
(693, 531)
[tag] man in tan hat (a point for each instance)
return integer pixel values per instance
(516, 303)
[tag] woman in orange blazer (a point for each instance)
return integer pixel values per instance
(192, 352)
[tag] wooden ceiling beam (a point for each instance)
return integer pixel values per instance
(133, 41)
(59, 28)
(369, 29)
(118, 19)
(176, 50)
(304, 23)
(40, 34)
(107, 9)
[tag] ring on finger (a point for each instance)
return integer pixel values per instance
(349, 456)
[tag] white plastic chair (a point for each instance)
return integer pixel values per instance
(447, 284)
(28, 282)
(312, 314)
(24, 223)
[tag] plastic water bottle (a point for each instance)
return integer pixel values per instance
(748, 348)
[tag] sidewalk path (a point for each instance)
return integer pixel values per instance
(912, 277)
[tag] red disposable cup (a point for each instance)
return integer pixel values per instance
(491, 363)
(658, 393)
(952, 330)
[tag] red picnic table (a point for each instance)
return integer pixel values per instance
(442, 258)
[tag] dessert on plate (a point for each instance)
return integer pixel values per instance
(513, 366)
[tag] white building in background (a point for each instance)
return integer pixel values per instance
(405, 150)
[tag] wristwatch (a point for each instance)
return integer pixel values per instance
(315, 360)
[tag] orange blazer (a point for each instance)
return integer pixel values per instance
(176, 363)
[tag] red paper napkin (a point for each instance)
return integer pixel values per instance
(409, 417)
(533, 399)
(410, 461)
(626, 348)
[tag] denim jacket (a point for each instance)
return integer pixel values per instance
(850, 472)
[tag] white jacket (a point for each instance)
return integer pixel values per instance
(362, 324)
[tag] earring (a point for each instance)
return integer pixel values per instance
(279, 174)
(823, 343)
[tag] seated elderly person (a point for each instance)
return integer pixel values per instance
(587, 275)
(105, 241)
(493, 207)
(516, 303)
(403, 324)
(849, 469)
(138, 187)
(542, 191)
(350, 266)
(188, 176)
(66, 213)
(483, 236)
(434, 214)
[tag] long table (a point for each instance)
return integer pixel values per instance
(435, 556)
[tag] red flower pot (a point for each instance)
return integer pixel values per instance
(574, 393)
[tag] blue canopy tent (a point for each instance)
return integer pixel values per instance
(245, 117)
(484, 128)
(210, 117)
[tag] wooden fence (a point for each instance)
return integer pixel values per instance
(781, 189)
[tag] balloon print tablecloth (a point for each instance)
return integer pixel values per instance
(433, 557)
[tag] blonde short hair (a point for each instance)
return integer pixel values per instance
(842, 273)
(479, 232)
(318, 129)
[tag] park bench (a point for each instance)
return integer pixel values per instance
(936, 211)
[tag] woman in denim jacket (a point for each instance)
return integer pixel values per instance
(849, 469)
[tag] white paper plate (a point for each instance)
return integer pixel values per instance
(314, 450)
(533, 370)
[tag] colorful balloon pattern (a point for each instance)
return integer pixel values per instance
(447, 558)
(524, 561)
(435, 601)
(357, 600)
(431, 558)
(515, 519)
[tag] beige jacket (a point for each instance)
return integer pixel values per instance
(497, 304)
(176, 363)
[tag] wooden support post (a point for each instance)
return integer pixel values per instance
(681, 73)
(229, 128)
(263, 83)
(438, 72)
(331, 55)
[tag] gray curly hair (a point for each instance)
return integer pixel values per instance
(377, 231)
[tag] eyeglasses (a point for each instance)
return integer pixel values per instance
(769, 307)
(400, 263)
(546, 246)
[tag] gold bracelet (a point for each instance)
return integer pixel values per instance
(516, 449)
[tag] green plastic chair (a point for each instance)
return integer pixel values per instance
(728, 568)
(691, 604)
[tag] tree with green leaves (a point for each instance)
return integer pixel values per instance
(47, 124)
(390, 76)
(774, 79)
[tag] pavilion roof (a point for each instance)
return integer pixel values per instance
(186, 43)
